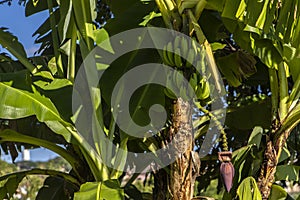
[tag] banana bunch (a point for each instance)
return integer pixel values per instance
(174, 82)
(197, 87)
(177, 86)
(174, 52)
(200, 86)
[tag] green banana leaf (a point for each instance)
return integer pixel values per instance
(278, 193)
(17, 103)
(287, 173)
(248, 189)
(100, 191)
(11, 43)
(9, 183)
(56, 188)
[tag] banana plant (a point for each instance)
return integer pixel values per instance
(41, 89)
(249, 31)
(246, 41)
(258, 33)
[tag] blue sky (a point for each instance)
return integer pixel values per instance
(13, 18)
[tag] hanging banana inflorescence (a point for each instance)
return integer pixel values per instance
(226, 168)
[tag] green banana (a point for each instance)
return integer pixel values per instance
(177, 58)
(193, 80)
(191, 92)
(192, 85)
(203, 91)
(184, 47)
(198, 65)
(177, 42)
(190, 57)
(206, 90)
(170, 53)
(183, 93)
(178, 78)
(165, 56)
(169, 93)
(171, 87)
(203, 60)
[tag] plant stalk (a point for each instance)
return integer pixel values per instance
(283, 92)
(55, 40)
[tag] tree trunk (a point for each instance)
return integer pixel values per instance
(178, 184)
(268, 169)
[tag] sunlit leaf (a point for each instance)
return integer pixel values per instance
(278, 193)
(255, 137)
(248, 189)
(100, 191)
(16, 103)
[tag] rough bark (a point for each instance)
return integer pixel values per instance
(178, 184)
(160, 185)
(268, 169)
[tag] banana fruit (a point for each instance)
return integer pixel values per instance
(202, 90)
(177, 52)
(182, 53)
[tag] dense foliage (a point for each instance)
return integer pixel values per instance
(255, 46)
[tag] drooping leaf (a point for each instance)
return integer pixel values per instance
(16, 103)
(212, 25)
(287, 173)
(133, 192)
(9, 182)
(285, 154)
(11, 43)
(278, 193)
(33, 7)
(267, 52)
(56, 188)
(20, 79)
(128, 17)
(100, 191)
(255, 137)
(256, 115)
(54, 85)
(9, 135)
(5, 57)
(229, 67)
(30, 126)
(143, 97)
(46, 27)
(239, 158)
(248, 189)
(9, 185)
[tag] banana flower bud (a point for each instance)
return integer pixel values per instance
(226, 169)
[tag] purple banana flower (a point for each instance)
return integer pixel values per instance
(227, 173)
